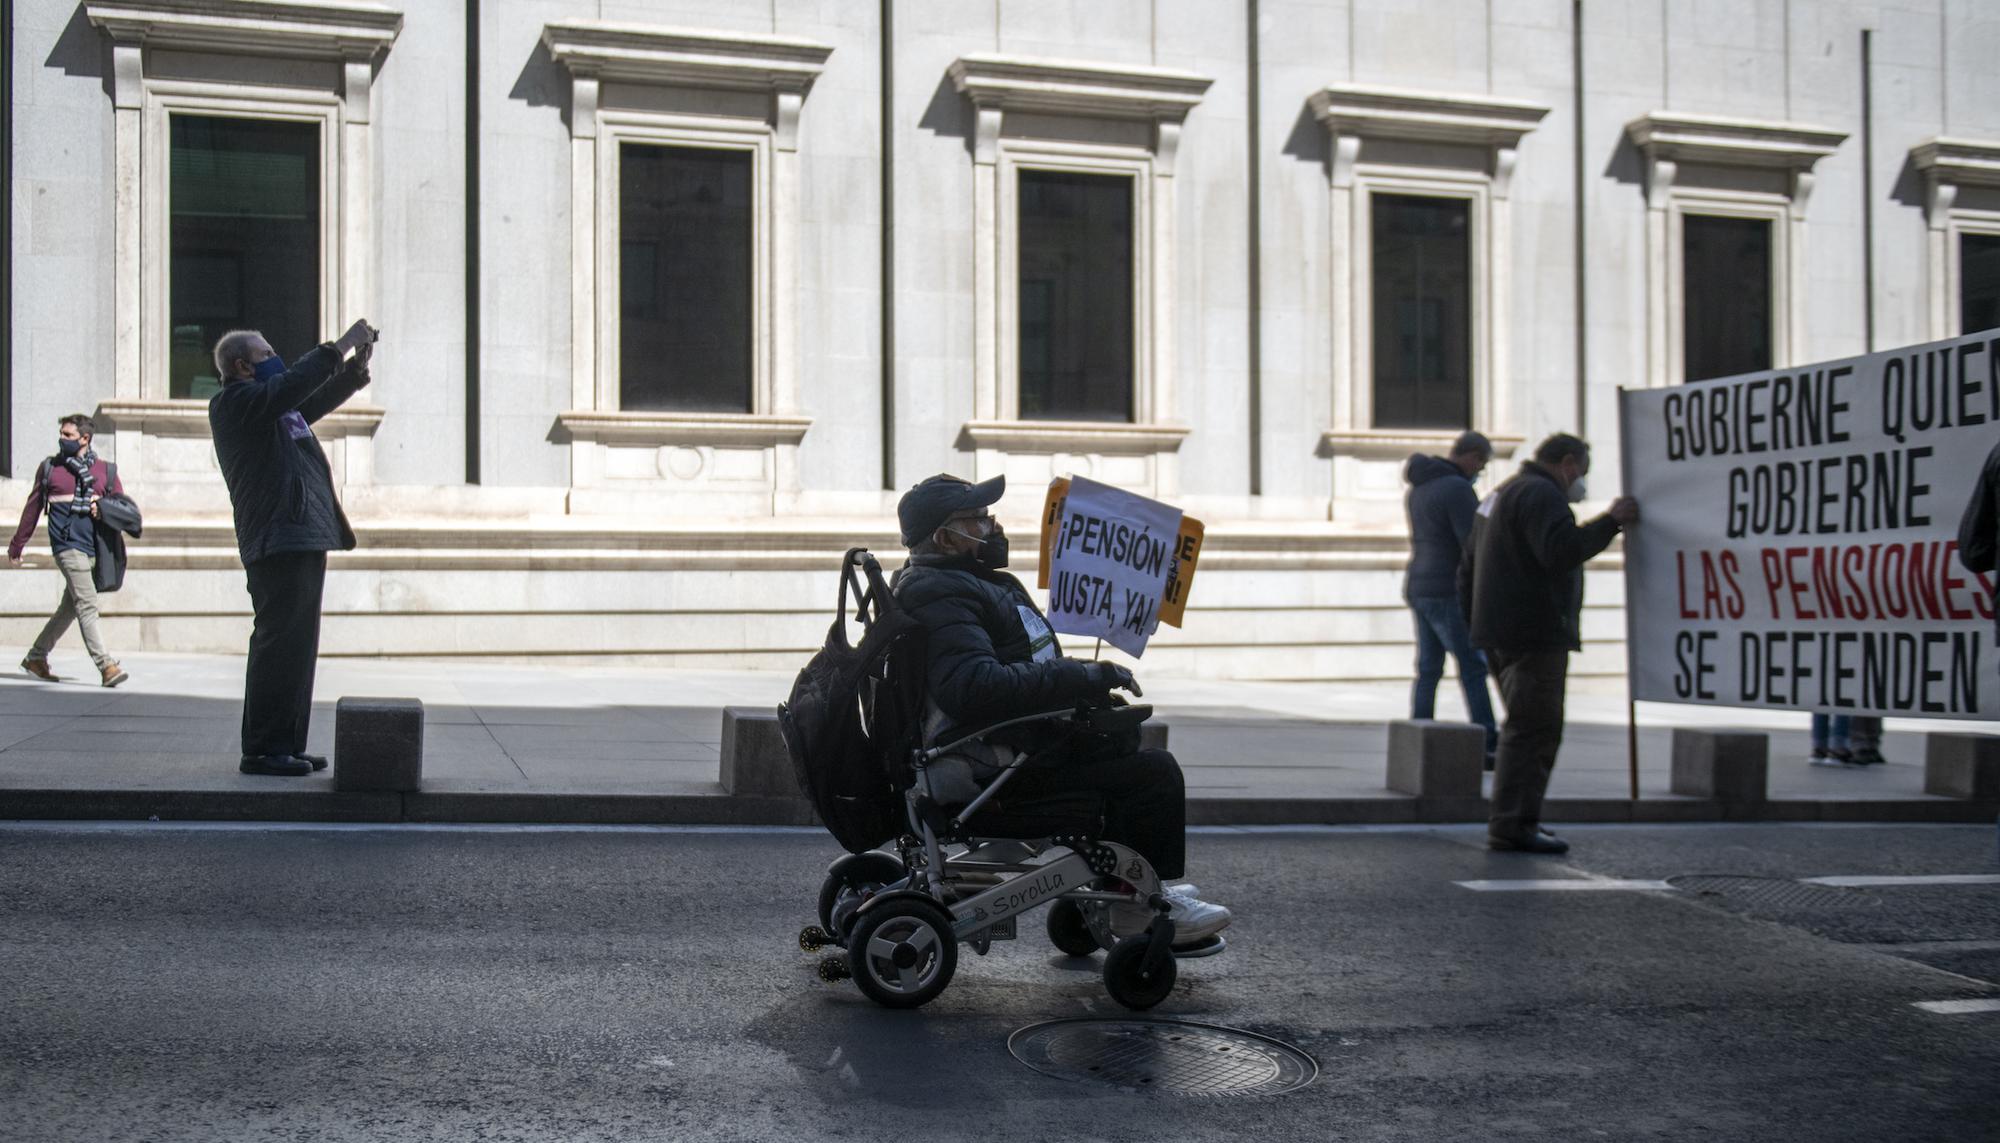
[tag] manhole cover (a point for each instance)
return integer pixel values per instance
(1163, 1055)
(1775, 893)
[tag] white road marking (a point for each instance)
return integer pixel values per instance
(1863, 882)
(1959, 1007)
(1558, 885)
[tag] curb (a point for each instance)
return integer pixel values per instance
(718, 808)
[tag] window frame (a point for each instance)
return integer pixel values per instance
(617, 128)
(1774, 210)
(1046, 155)
(166, 99)
(1949, 166)
(1978, 224)
(1457, 186)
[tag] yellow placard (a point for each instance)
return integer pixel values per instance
(1180, 581)
(1052, 508)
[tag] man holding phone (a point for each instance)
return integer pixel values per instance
(287, 519)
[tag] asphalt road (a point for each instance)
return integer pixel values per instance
(313, 984)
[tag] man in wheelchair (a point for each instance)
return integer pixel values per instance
(992, 656)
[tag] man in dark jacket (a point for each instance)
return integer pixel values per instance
(287, 519)
(1979, 528)
(1522, 583)
(1440, 506)
(993, 656)
(69, 487)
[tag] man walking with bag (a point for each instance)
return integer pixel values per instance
(1522, 583)
(1440, 507)
(287, 520)
(69, 487)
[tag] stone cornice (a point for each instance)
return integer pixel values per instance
(1076, 87)
(1726, 141)
(1967, 162)
(1102, 437)
(335, 29)
(190, 419)
(648, 53)
(1431, 116)
(731, 430)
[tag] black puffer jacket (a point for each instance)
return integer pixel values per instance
(1521, 581)
(1439, 505)
(279, 484)
(982, 658)
(1979, 528)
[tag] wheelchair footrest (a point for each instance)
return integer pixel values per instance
(1209, 947)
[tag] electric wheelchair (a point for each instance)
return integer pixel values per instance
(926, 877)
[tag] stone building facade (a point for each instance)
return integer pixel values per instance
(677, 296)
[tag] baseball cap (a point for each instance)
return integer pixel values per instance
(927, 505)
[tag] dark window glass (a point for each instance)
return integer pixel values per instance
(684, 279)
(1725, 295)
(1422, 266)
(1978, 282)
(1076, 296)
(243, 202)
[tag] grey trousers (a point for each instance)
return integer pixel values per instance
(78, 606)
(1531, 685)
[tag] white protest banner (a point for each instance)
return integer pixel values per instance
(1797, 537)
(1110, 555)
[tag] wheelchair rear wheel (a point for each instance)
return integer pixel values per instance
(1069, 931)
(1126, 978)
(860, 872)
(902, 952)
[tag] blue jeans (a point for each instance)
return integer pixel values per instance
(1440, 628)
(1830, 730)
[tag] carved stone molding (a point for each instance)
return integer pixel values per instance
(1072, 87)
(1109, 438)
(335, 29)
(738, 430)
(1669, 139)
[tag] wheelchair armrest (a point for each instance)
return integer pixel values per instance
(946, 748)
(1117, 719)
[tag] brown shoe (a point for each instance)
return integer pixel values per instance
(40, 669)
(114, 674)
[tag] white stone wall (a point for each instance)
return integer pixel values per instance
(1303, 583)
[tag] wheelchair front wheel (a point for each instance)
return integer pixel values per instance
(1126, 978)
(1069, 931)
(902, 952)
(861, 872)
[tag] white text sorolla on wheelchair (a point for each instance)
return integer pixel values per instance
(952, 836)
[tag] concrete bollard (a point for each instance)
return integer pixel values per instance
(378, 744)
(1962, 765)
(755, 762)
(1729, 766)
(1436, 759)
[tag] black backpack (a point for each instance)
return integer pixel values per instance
(856, 712)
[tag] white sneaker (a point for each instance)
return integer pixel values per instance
(1194, 920)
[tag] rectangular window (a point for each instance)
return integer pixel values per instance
(1725, 296)
(243, 201)
(684, 279)
(1421, 259)
(1075, 321)
(1978, 282)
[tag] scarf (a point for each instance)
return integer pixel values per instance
(86, 480)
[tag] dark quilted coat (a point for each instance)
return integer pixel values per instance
(281, 487)
(982, 668)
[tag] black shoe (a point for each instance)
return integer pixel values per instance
(318, 760)
(1541, 841)
(276, 765)
(1868, 756)
(1489, 763)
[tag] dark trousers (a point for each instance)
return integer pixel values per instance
(285, 592)
(1531, 687)
(1145, 801)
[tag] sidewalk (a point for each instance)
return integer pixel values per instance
(512, 742)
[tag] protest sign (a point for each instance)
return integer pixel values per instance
(1797, 540)
(1180, 578)
(1108, 554)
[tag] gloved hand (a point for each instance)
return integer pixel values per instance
(1113, 677)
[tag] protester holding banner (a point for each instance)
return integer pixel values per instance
(1440, 507)
(993, 655)
(1979, 527)
(1522, 585)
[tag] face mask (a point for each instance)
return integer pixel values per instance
(268, 368)
(992, 552)
(69, 447)
(1576, 491)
